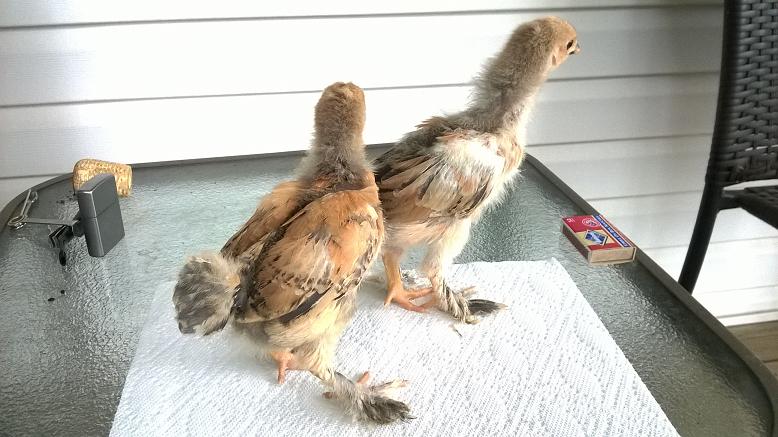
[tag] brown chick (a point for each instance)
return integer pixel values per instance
(438, 180)
(289, 275)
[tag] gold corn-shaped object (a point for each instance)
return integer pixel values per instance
(86, 169)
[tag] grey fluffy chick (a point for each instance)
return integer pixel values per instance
(439, 179)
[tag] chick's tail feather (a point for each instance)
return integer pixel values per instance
(205, 293)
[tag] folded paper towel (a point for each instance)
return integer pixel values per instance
(545, 366)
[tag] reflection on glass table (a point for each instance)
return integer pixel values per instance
(64, 360)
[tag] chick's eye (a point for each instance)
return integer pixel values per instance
(570, 44)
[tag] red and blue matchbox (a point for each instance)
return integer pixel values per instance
(598, 240)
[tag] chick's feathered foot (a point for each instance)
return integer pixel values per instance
(395, 289)
(459, 306)
(369, 402)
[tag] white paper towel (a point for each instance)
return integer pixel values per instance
(545, 366)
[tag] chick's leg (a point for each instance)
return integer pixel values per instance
(285, 360)
(365, 402)
(440, 255)
(396, 291)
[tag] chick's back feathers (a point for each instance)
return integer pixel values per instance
(315, 257)
(274, 209)
(451, 177)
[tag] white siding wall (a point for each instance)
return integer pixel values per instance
(151, 81)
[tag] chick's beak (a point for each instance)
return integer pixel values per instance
(577, 48)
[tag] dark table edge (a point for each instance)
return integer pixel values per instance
(762, 373)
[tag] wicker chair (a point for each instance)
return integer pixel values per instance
(745, 137)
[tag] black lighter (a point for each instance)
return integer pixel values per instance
(100, 215)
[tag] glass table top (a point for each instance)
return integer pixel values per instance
(68, 334)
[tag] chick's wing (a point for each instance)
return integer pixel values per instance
(452, 177)
(317, 256)
(274, 209)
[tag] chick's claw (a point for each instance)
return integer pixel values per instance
(383, 389)
(467, 292)
(403, 297)
(364, 378)
(388, 387)
(285, 360)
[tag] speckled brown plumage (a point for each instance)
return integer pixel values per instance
(289, 275)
